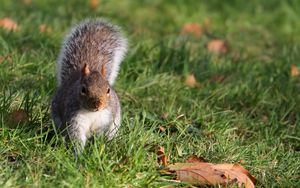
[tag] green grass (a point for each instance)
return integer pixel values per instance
(252, 117)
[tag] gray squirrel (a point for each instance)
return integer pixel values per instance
(85, 102)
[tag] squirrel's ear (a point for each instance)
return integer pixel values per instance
(103, 71)
(85, 70)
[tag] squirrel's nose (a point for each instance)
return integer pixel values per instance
(97, 103)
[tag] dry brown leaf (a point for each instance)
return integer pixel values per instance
(162, 158)
(237, 169)
(210, 174)
(8, 24)
(194, 29)
(294, 71)
(18, 116)
(197, 173)
(195, 159)
(191, 81)
(94, 4)
(42, 28)
(162, 128)
(45, 29)
(278, 178)
(217, 46)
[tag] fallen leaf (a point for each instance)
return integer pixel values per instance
(42, 28)
(94, 4)
(294, 71)
(162, 128)
(238, 169)
(278, 178)
(8, 24)
(195, 159)
(162, 158)
(45, 29)
(197, 173)
(191, 81)
(194, 29)
(217, 46)
(210, 174)
(18, 116)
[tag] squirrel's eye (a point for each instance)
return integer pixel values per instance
(83, 90)
(108, 90)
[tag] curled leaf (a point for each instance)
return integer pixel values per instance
(44, 28)
(162, 158)
(217, 47)
(195, 159)
(294, 71)
(191, 81)
(238, 169)
(201, 173)
(194, 29)
(94, 4)
(8, 24)
(162, 129)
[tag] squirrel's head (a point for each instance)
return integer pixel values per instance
(94, 90)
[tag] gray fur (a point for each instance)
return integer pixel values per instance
(94, 42)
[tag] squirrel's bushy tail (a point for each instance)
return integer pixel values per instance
(93, 42)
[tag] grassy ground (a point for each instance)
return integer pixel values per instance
(250, 117)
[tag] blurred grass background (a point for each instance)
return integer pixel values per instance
(246, 109)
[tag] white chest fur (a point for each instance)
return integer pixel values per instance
(88, 122)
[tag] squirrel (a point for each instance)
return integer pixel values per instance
(85, 102)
